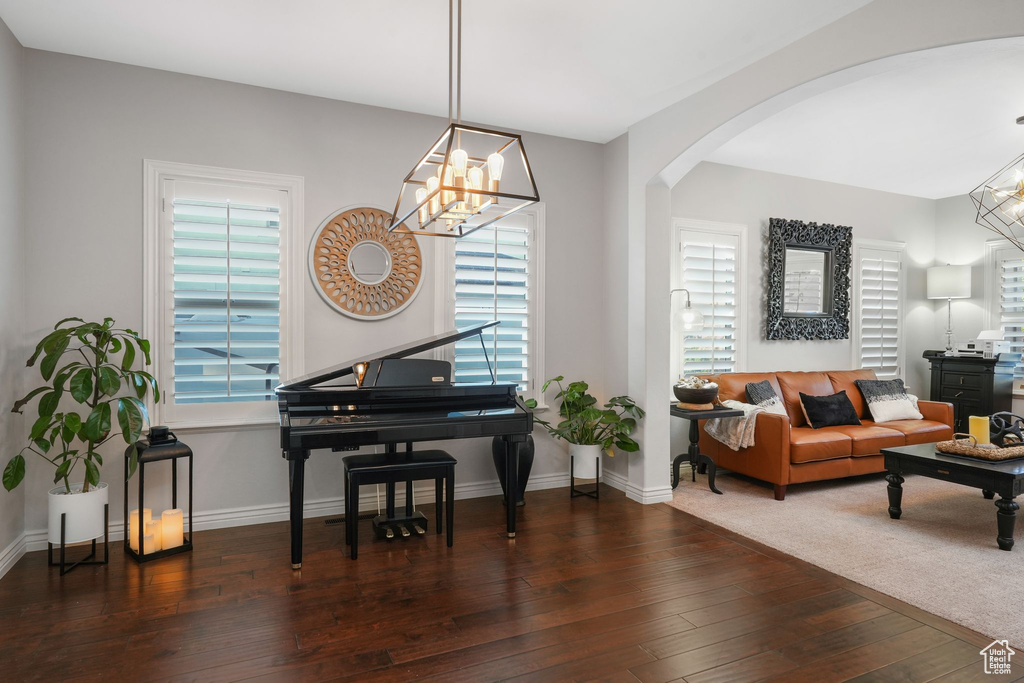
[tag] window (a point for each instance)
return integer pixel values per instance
(496, 273)
(709, 265)
(219, 291)
(879, 278)
(1005, 296)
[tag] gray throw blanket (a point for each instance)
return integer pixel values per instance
(735, 432)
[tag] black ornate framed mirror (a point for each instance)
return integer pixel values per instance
(808, 280)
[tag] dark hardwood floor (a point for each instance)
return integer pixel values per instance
(608, 590)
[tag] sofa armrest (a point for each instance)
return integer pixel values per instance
(934, 410)
(771, 441)
(767, 459)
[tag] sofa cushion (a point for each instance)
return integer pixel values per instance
(810, 445)
(845, 380)
(792, 383)
(918, 431)
(869, 440)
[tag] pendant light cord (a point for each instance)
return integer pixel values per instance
(450, 12)
(458, 97)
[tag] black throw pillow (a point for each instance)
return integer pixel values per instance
(829, 411)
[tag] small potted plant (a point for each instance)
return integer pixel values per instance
(590, 429)
(91, 380)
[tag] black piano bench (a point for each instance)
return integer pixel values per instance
(391, 468)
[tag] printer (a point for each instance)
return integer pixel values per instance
(989, 344)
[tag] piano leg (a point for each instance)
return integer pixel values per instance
(296, 479)
(511, 484)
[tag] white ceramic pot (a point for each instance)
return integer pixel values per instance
(584, 460)
(84, 511)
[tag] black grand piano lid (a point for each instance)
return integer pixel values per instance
(410, 349)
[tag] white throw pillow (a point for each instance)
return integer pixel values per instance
(888, 400)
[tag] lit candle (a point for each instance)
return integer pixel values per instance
(979, 428)
(173, 528)
(133, 526)
(148, 545)
(155, 529)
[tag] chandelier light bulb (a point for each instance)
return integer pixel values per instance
(435, 201)
(447, 196)
(475, 179)
(459, 159)
(424, 211)
(495, 165)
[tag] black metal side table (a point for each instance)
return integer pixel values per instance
(693, 454)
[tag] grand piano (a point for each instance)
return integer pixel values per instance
(390, 398)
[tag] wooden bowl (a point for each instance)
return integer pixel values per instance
(703, 395)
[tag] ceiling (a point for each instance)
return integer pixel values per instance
(584, 69)
(936, 127)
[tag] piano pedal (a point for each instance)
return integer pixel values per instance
(389, 533)
(419, 530)
(405, 532)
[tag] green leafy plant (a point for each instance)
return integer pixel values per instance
(585, 424)
(93, 365)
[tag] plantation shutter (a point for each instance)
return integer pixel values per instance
(492, 282)
(880, 311)
(226, 297)
(1011, 304)
(709, 268)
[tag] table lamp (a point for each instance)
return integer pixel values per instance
(949, 282)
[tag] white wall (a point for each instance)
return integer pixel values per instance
(730, 194)
(12, 350)
(90, 125)
(961, 242)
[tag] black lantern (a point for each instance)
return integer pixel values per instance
(147, 538)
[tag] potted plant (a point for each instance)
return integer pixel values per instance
(91, 380)
(590, 429)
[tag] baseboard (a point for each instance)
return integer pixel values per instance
(615, 480)
(661, 494)
(278, 512)
(12, 553)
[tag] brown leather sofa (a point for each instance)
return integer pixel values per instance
(788, 451)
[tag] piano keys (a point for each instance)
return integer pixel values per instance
(388, 398)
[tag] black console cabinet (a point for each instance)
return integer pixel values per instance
(975, 386)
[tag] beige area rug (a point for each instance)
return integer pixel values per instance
(940, 556)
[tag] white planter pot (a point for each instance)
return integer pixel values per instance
(84, 511)
(584, 460)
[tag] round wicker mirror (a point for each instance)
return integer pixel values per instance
(360, 268)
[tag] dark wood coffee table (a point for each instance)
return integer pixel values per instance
(1005, 478)
(694, 455)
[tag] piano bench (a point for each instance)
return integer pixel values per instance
(391, 468)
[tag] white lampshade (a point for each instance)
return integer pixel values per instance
(690, 319)
(949, 282)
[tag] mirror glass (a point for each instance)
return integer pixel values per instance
(805, 282)
(369, 262)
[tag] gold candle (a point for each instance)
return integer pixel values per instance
(133, 526)
(979, 428)
(173, 528)
(148, 545)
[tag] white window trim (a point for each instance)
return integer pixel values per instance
(993, 247)
(444, 296)
(155, 287)
(855, 327)
(679, 225)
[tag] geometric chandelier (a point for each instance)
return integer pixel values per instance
(1000, 201)
(470, 177)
